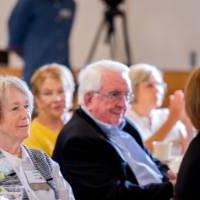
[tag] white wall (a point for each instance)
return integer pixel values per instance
(165, 32)
(5, 8)
(161, 32)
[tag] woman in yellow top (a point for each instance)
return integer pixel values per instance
(53, 88)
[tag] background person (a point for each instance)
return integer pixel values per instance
(187, 186)
(39, 32)
(35, 171)
(53, 89)
(99, 152)
(155, 123)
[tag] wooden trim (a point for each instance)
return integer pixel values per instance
(14, 71)
(175, 80)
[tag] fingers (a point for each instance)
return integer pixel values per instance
(177, 104)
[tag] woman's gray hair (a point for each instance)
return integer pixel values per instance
(90, 77)
(142, 72)
(7, 82)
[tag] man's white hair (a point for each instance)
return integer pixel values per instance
(90, 77)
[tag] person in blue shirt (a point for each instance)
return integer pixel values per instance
(39, 31)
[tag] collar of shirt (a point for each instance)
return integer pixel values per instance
(107, 128)
(14, 160)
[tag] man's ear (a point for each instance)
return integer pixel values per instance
(88, 98)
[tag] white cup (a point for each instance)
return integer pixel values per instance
(175, 163)
(162, 150)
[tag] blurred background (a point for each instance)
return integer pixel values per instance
(163, 33)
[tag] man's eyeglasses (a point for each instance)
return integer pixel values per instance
(116, 95)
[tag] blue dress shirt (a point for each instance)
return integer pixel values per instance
(141, 164)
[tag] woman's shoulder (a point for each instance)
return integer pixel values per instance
(38, 155)
(161, 111)
(159, 115)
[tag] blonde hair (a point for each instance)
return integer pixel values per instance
(56, 71)
(192, 97)
(142, 72)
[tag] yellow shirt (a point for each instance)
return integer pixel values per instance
(41, 137)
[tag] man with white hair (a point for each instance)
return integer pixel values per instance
(100, 153)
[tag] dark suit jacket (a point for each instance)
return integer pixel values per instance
(187, 185)
(95, 170)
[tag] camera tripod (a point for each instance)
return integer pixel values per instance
(109, 23)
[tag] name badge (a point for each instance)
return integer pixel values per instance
(34, 176)
(36, 181)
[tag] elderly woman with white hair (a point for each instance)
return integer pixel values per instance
(154, 123)
(53, 88)
(31, 170)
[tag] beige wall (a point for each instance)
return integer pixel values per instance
(165, 32)
(5, 8)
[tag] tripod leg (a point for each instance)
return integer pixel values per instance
(113, 46)
(95, 42)
(126, 39)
